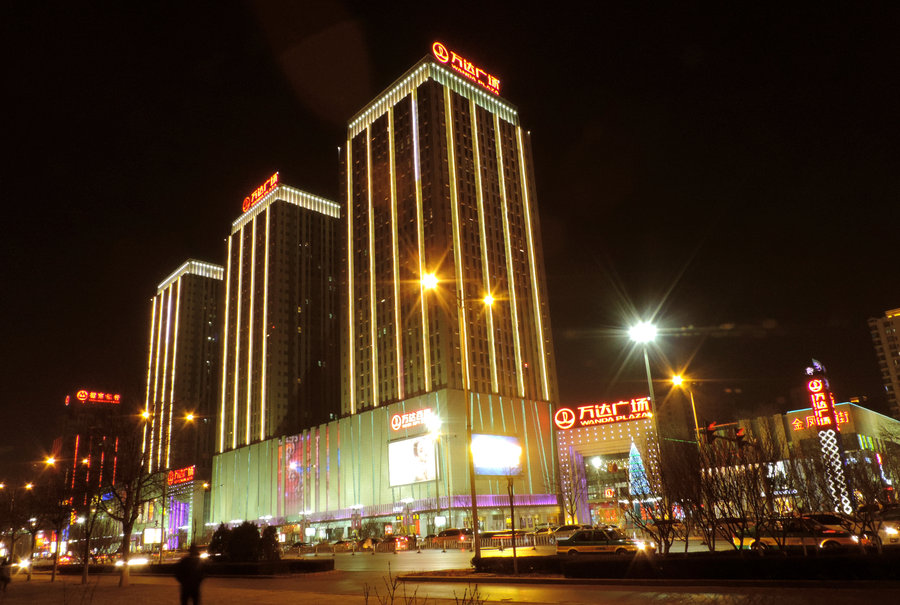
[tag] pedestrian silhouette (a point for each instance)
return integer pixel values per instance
(189, 573)
(5, 573)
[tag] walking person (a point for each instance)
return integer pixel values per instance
(189, 573)
(5, 573)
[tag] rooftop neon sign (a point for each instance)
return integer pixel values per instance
(592, 414)
(465, 68)
(85, 396)
(260, 192)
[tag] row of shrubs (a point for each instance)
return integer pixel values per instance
(713, 566)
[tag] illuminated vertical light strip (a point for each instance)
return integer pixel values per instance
(174, 367)
(265, 332)
(485, 266)
(511, 278)
(373, 326)
(164, 432)
(225, 348)
(396, 253)
(237, 338)
(420, 232)
(156, 404)
(149, 442)
(250, 318)
(535, 290)
(351, 348)
(458, 251)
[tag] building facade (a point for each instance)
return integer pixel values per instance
(280, 350)
(446, 338)
(89, 444)
(440, 185)
(182, 367)
(887, 349)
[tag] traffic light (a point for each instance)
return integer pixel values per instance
(710, 433)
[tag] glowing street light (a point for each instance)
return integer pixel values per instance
(642, 332)
(678, 381)
(429, 281)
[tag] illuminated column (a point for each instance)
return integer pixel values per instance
(830, 446)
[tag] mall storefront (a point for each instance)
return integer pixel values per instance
(401, 468)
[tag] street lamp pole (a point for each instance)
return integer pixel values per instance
(430, 282)
(678, 381)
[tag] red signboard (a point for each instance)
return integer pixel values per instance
(410, 419)
(465, 68)
(86, 396)
(592, 414)
(822, 401)
(260, 192)
(180, 475)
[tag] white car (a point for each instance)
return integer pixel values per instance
(889, 532)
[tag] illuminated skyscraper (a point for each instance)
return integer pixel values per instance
(887, 347)
(280, 346)
(182, 368)
(439, 182)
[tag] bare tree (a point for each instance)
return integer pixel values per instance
(130, 489)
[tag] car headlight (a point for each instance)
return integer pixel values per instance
(855, 538)
(891, 531)
(640, 545)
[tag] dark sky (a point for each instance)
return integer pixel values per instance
(731, 172)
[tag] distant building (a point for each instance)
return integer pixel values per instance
(89, 441)
(280, 347)
(887, 349)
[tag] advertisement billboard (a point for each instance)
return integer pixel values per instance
(412, 460)
(496, 455)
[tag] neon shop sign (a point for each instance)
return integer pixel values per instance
(85, 396)
(180, 475)
(260, 192)
(410, 419)
(465, 68)
(593, 414)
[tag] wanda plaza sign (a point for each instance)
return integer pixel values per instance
(465, 68)
(592, 414)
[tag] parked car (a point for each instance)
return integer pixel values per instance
(794, 532)
(889, 532)
(546, 530)
(600, 541)
(450, 537)
(393, 542)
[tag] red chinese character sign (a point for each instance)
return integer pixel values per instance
(410, 419)
(826, 421)
(87, 396)
(260, 192)
(180, 475)
(465, 68)
(592, 414)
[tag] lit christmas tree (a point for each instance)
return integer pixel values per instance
(637, 476)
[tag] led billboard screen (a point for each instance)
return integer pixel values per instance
(496, 455)
(412, 460)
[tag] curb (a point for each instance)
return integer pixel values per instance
(723, 582)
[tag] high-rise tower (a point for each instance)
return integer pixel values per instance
(440, 186)
(182, 367)
(280, 346)
(887, 348)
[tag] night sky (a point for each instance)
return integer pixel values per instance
(731, 174)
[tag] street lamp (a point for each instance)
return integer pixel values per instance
(430, 281)
(678, 381)
(146, 415)
(644, 333)
(433, 422)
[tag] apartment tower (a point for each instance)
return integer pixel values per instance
(442, 217)
(182, 368)
(887, 349)
(280, 345)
